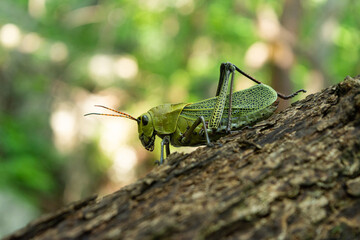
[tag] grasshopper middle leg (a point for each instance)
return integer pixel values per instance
(187, 137)
(188, 134)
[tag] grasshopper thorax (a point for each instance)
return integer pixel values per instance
(146, 131)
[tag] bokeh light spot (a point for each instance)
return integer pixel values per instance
(123, 165)
(257, 55)
(37, 8)
(58, 52)
(10, 35)
(125, 67)
(63, 124)
(100, 68)
(30, 43)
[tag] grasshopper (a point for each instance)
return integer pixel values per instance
(199, 123)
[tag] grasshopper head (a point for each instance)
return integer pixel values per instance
(146, 131)
(145, 126)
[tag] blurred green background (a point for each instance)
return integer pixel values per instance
(60, 58)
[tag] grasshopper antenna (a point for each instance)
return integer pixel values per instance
(280, 95)
(120, 114)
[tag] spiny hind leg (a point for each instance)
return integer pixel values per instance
(228, 127)
(221, 93)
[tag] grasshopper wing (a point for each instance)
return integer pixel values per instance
(244, 102)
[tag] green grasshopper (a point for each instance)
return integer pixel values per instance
(194, 124)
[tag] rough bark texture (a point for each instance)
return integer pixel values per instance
(293, 176)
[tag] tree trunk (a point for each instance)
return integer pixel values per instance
(294, 176)
(282, 48)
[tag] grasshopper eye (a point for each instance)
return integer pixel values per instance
(145, 120)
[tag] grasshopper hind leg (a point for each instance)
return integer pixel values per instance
(226, 69)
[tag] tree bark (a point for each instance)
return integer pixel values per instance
(294, 176)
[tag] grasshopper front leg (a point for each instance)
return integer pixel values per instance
(165, 142)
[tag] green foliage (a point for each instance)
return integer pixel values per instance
(27, 162)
